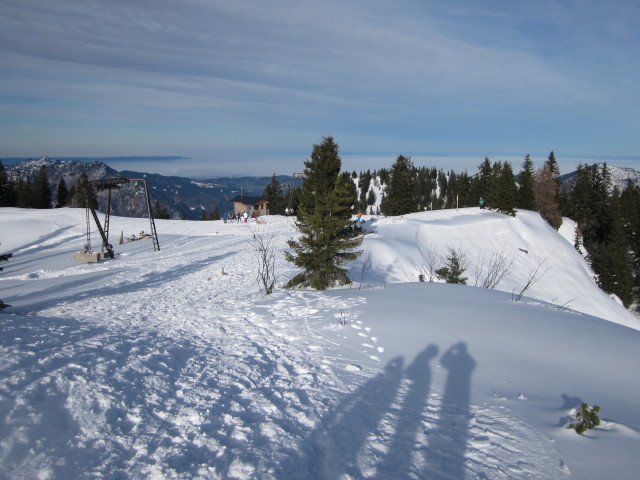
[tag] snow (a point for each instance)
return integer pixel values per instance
(173, 364)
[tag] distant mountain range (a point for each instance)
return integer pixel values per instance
(186, 198)
(621, 177)
(183, 197)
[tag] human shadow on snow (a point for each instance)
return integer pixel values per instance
(387, 429)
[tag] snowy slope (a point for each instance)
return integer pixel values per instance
(402, 248)
(172, 364)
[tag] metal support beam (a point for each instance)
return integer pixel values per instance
(105, 241)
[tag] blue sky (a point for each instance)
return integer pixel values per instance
(245, 87)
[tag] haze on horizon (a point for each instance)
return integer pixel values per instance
(249, 87)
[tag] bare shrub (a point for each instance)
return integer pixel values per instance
(492, 269)
(432, 261)
(535, 275)
(264, 247)
(366, 265)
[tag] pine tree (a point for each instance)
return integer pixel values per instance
(507, 191)
(610, 256)
(215, 213)
(484, 184)
(82, 194)
(62, 194)
(323, 218)
(274, 194)
(465, 196)
(7, 189)
(526, 195)
(24, 192)
(162, 213)
(400, 194)
(552, 165)
(630, 213)
(42, 189)
(454, 268)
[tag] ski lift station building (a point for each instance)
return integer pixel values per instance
(257, 206)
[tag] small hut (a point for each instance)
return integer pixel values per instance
(257, 206)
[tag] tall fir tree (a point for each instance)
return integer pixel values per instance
(7, 189)
(274, 194)
(24, 192)
(82, 194)
(400, 194)
(323, 220)
(215, 213)
(630, 213)
(62, 194)
(611, 257)
(526, 195)
(485, 183)
(507, 191)
(42, 189)
(162, 212)
(552, 165)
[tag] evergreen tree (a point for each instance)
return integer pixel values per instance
(506, 195)
(42, 189)
(62, 193)
(580, 198)
(400, 194)
(454, 268)
(323, 220)
(630, 213)
(526, 195)
(7, 189)
(24, 192)
(162, 212)
(371, 198)
(364, 182)
(465, 196)
(610, 256)
(347, 183)
(552, 165)
(484, 183)
(82, 194)
(274, 193)
(215, 213)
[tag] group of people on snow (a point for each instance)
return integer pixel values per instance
(236, 217)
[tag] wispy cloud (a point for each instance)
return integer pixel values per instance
(427, 76)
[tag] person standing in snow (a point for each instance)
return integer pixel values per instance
(481, 203)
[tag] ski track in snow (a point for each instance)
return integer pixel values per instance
(181, 371)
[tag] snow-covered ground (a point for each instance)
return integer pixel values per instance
(173, 364)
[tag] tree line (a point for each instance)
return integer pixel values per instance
(34, 191)
(608, 218)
